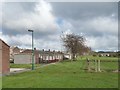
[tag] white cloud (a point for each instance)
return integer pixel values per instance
(43, 16)
(103, 43)
(82, 0)
(25, 41)
(0, 34)
(0, 16)
(62, 0)
(18, 39)
(101, 31)
(68, 31)
(40, 20)
(104, 24)
(66, 27)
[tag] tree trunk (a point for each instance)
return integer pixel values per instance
(73, 57)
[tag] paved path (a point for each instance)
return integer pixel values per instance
(17, 69)
(20, 70)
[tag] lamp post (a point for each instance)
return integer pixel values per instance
(32, 50)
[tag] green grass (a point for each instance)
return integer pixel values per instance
(62, 75)
(107, 66)
(0, 82)
(28, 66)
(97, 58)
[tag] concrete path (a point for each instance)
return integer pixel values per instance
(16, 69)
(20, 70)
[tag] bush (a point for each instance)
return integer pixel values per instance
(114, 55)
(94, 55)
(119, 55)
(100, 55)
(109, 55)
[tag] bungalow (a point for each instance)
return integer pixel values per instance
(13, 50)
(40, 56)
(22, 58)
(25, 57)
(107, 53)
(4, 57)
(50, 56)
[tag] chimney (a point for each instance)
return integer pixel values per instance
(34, 48)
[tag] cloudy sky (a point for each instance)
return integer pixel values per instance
(96, 21)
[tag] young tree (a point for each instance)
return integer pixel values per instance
(75, 44)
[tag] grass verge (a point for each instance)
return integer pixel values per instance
(62, 75)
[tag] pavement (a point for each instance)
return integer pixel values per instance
(16, 69)
(20, 70)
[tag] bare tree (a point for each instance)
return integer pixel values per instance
(75, 44)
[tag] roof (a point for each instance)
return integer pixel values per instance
(4, 43)
(51, 52)
(30, 51)
(14, 47)
(23, 54)
(27, 51)
(40, 51)
(106, 52)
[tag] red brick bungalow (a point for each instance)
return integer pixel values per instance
(36, 54)
(4, 57)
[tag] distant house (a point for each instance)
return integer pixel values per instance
(4, 57)
(106, 53)
(40, 56)
(25, 57)
(50, 56)
(14, 50)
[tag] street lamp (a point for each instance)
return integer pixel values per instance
(32, 50)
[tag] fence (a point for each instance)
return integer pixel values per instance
(102, 65)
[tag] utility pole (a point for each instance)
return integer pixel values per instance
(32, 49)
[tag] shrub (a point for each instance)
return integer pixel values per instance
(94, 55)
(100, 55)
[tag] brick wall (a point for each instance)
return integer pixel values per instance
(5, 57)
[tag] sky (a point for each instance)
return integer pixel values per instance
(96, 21)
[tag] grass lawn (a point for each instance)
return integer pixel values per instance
(97, 58)
(65, 74)
(0, 82)
(108, 66)
(28, 66)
